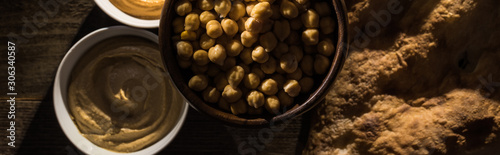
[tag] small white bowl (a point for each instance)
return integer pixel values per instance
(61, 88)
(124, 18)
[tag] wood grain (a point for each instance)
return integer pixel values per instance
(39, 55)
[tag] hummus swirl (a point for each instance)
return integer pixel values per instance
(119, 96)
(144, 9)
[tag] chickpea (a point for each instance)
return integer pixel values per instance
(262, 10)
(302, 1)
(214, 29)
(200, 57)
(188, 36)
(183, 7)
(297, 52)
(256, 69)
(282, 29)
(259, 55)
(198, 82)
(253, 25)
(183, 63)
(231, 94)
(213, 70)
(293, 38)
(196, 45)
(292, 88)
(237, 10)
(269, 87)
(268, 41)
(246, 68)
(288, 9)
(281, 48)
(196, 10)
(178, 25)
(307, 64)
(197, 69)
(327, 25)
(289, 63)
(176, 39)
(268, 26)
(235, 76)
(322, 8)
(310, 37)
(205, 4)
(239, 107)
(297, 75)
(302, 7)
(310, 19)
(306, 84)
(276, 12)
(251, 81)
(244, 91)
(272, 104)
(206, 42)
(222, 7)
(199, 32)
(223, 39)
(249, 38)
(280, 79)
(296, 24)
(184, 50)
(217, 54)
(241, 24)
(246, 56)
(285, 99)
(277, 54)
(255, 111)
(269, 67)
(310, 49)
(269, 1)
(229, 26)
(234, 47)
(326, 47)
(229, 63)
(220, 82)
(321, 64)
(278, 69)
(192, 22)
(224, 105)
(211, 95)
(250, 6)
(255, 99)
(205, 17)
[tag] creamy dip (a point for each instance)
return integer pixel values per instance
(144, 9)
(119, 96)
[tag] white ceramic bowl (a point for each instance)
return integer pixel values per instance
(124, 18)
(61, 88)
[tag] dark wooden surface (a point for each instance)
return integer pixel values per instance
(39, 52)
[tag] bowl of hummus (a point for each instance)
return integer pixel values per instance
(136, 13)
(112, 94)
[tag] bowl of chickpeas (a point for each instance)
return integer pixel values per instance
(253, 63)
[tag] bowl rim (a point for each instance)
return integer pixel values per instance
(338, 60)
(115, 13)
(61, 83)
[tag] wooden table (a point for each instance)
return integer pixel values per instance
(43, 32)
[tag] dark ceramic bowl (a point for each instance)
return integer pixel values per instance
(304, 102)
